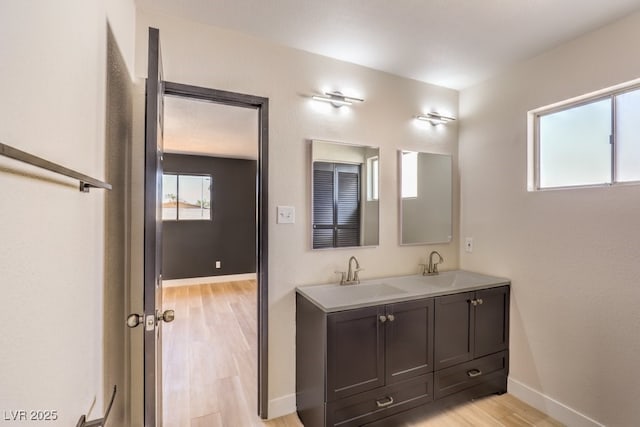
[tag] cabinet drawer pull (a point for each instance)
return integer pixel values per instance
(480, 301)
(474, 373)
(382, 404)
(383, 318)
(474, 302)
(391, 317)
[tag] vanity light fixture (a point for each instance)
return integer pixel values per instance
(435, 118)
(337, 99)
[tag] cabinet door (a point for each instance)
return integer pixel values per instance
(409, 340)
(491, 321)
(355, 352)
(454, 325)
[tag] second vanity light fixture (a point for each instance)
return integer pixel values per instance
(435, 118)
(337, 99)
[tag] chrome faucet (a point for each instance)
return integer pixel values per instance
(351, 277)
(431, 269)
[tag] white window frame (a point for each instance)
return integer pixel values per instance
(178, 175)
(534, 135)
(373, 179)
(402, 182)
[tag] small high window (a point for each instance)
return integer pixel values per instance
(409, 172)
(186, 197)
(594, 142)
(373, 168)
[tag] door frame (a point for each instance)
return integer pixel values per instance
(262, 105)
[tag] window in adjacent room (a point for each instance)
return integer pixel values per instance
(595, 142)
(186, 197)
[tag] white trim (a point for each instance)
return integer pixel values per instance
(550, 406)
(206, 280)
(281, 406)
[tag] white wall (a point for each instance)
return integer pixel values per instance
(53, 71)
(205, 56)
(573, 255)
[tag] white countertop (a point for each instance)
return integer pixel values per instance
(335, 297)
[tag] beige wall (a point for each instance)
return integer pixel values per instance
(573, 255)
(52, 248)
(204, 56)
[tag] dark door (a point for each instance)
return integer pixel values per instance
(355, 352)
(491, 321)
(153, 237)
(409, 340)
(454, 325)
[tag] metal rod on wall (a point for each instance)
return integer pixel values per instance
(100, 422)
(86, 182)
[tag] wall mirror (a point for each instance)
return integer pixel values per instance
(425, 197)
(344, 201)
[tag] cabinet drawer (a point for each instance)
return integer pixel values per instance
(469, 374)
(375, 404)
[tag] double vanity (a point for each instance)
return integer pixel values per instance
(385, 350)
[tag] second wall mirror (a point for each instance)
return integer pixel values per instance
(345, 195)
(425, 197)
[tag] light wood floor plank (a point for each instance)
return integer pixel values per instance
(211, 420)
(210, 368)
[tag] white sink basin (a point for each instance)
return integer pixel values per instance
(360, 292)
(457, 279)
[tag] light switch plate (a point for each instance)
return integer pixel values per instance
(286, 215)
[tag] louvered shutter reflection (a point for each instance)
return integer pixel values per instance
(348, 206)
(336, 205)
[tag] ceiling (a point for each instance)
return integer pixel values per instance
(452, 43)
(192, 126)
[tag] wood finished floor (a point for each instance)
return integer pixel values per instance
(210, 376)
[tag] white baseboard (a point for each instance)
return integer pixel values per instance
(550, 406)
(211, 279)
(282, 406)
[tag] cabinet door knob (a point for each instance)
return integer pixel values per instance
(382, 404)
(480, 301)
(383, 318)
(473, 302)
(391, 317)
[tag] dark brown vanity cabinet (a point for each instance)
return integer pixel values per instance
(471, 340)
(471, 325)
(355, 351)
(376, 364)
(378, 361)
(391, 343)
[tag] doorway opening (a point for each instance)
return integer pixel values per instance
(214, 258)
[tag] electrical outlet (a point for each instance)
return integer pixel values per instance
(218, 264)
(468, 244)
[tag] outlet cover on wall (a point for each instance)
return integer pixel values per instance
(468, 244)
(218, 264)
(286, 215)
